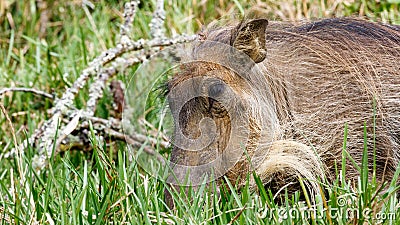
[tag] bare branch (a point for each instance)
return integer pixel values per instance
(157, 30)
(23, 89)
(129, 14)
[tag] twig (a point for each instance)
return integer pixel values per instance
(237, 215)
(23, 89)
(129, 14)
(135, 143)
(157, 30)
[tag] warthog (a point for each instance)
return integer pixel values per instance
(275, 98)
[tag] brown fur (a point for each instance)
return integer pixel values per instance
(317, 77)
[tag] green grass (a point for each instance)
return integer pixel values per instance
(104, 186)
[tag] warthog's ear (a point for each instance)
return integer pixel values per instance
(249, 37)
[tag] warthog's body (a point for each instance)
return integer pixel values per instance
(318, 77)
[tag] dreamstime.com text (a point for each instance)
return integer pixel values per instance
(317, 213)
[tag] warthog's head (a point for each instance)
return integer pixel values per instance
(224, 111)
(212, 99)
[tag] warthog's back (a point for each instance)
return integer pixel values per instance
(338, 71)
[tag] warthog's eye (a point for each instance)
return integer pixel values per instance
(216, 89)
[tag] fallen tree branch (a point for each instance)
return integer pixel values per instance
(49, 128)
(65, 120)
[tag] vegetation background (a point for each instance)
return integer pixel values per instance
(46, 44)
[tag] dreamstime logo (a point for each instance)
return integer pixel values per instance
(196, 157)
(345, 210)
